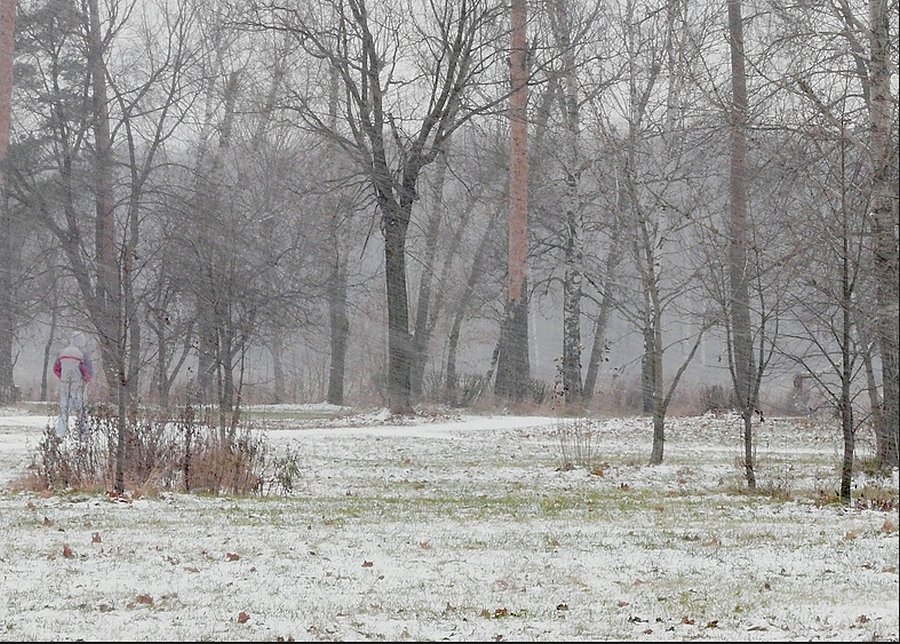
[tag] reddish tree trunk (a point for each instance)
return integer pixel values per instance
(512, 361)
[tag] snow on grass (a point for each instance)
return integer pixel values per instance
(466, 528)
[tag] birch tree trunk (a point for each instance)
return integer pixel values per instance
(846, 403)
(884, 225)
(574, 213)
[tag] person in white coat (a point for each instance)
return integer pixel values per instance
(74, 370)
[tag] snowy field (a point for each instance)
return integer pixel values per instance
(466, 528)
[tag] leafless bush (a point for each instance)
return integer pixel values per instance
(715, 399)
(575, 444)
(161, 453)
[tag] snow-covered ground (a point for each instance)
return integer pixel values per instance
(465, 528)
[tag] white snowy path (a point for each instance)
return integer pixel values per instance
(464, 530)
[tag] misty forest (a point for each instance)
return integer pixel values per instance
(580, 206)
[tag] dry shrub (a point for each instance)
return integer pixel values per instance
(161, 453)
(778, 491)
(230, 466)
(876, 497)
(575, 445)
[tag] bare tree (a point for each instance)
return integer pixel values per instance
(828, 295)
(840, 55)
(380, 55)
(742, 333)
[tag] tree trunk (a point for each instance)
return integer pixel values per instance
(213, 324)
(512, 360)
(738, 263)
(338, 320)
(884, 225)
(654, 357)
(276, 347)
(107, 310)
(606, 306)
(648, 378)
(51, 336)
(598, 347)
(573, 260)
(451, 384)
(7, 265)
(424, 323)
(396, 223)
(339, 323)
(877, 415)
(846, 402)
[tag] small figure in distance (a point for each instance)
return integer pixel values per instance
(74, 370)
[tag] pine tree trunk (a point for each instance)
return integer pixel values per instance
(512, 360)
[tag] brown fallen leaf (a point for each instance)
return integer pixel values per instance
(243, 617)
(621, 603)
(687, 620)
(649, 631)
(191, 569)
(501, 612)
(850, 535)
(31, 506)
(232, 556)
(67, 551)
(145, 599)
(888, 526)
(424, 545)
(48, 522)
(95, 538)
(367, 564)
